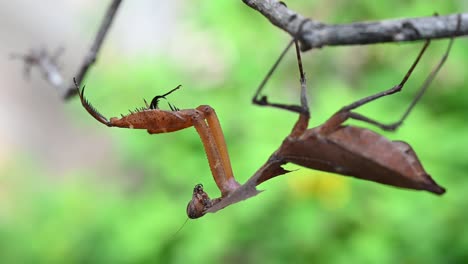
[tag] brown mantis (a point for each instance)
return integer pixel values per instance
(332, 147)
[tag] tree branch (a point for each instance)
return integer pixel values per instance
(90, 58)
(316, 34)
(48, 65)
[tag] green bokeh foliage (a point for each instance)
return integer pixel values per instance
(307, 216)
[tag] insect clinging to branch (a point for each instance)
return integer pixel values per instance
(355, 151)
(333, 147)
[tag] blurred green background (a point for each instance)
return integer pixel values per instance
(127, 206)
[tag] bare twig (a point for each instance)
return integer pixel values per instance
(93, 51)
(317, 34)
(48, 63)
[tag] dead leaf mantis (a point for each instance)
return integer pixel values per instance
(337, 148)
(333, 147)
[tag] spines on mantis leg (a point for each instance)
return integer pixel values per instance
(87, 105)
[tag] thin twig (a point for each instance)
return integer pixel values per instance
(48, 65)
(90, 58)
(316, 34)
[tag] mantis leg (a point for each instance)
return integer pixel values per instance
(215, 159)
(422, 90)
(420, 93)
(346, 113)
(303, 109)
(394, 89)
(263, 100)
(218, 135)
